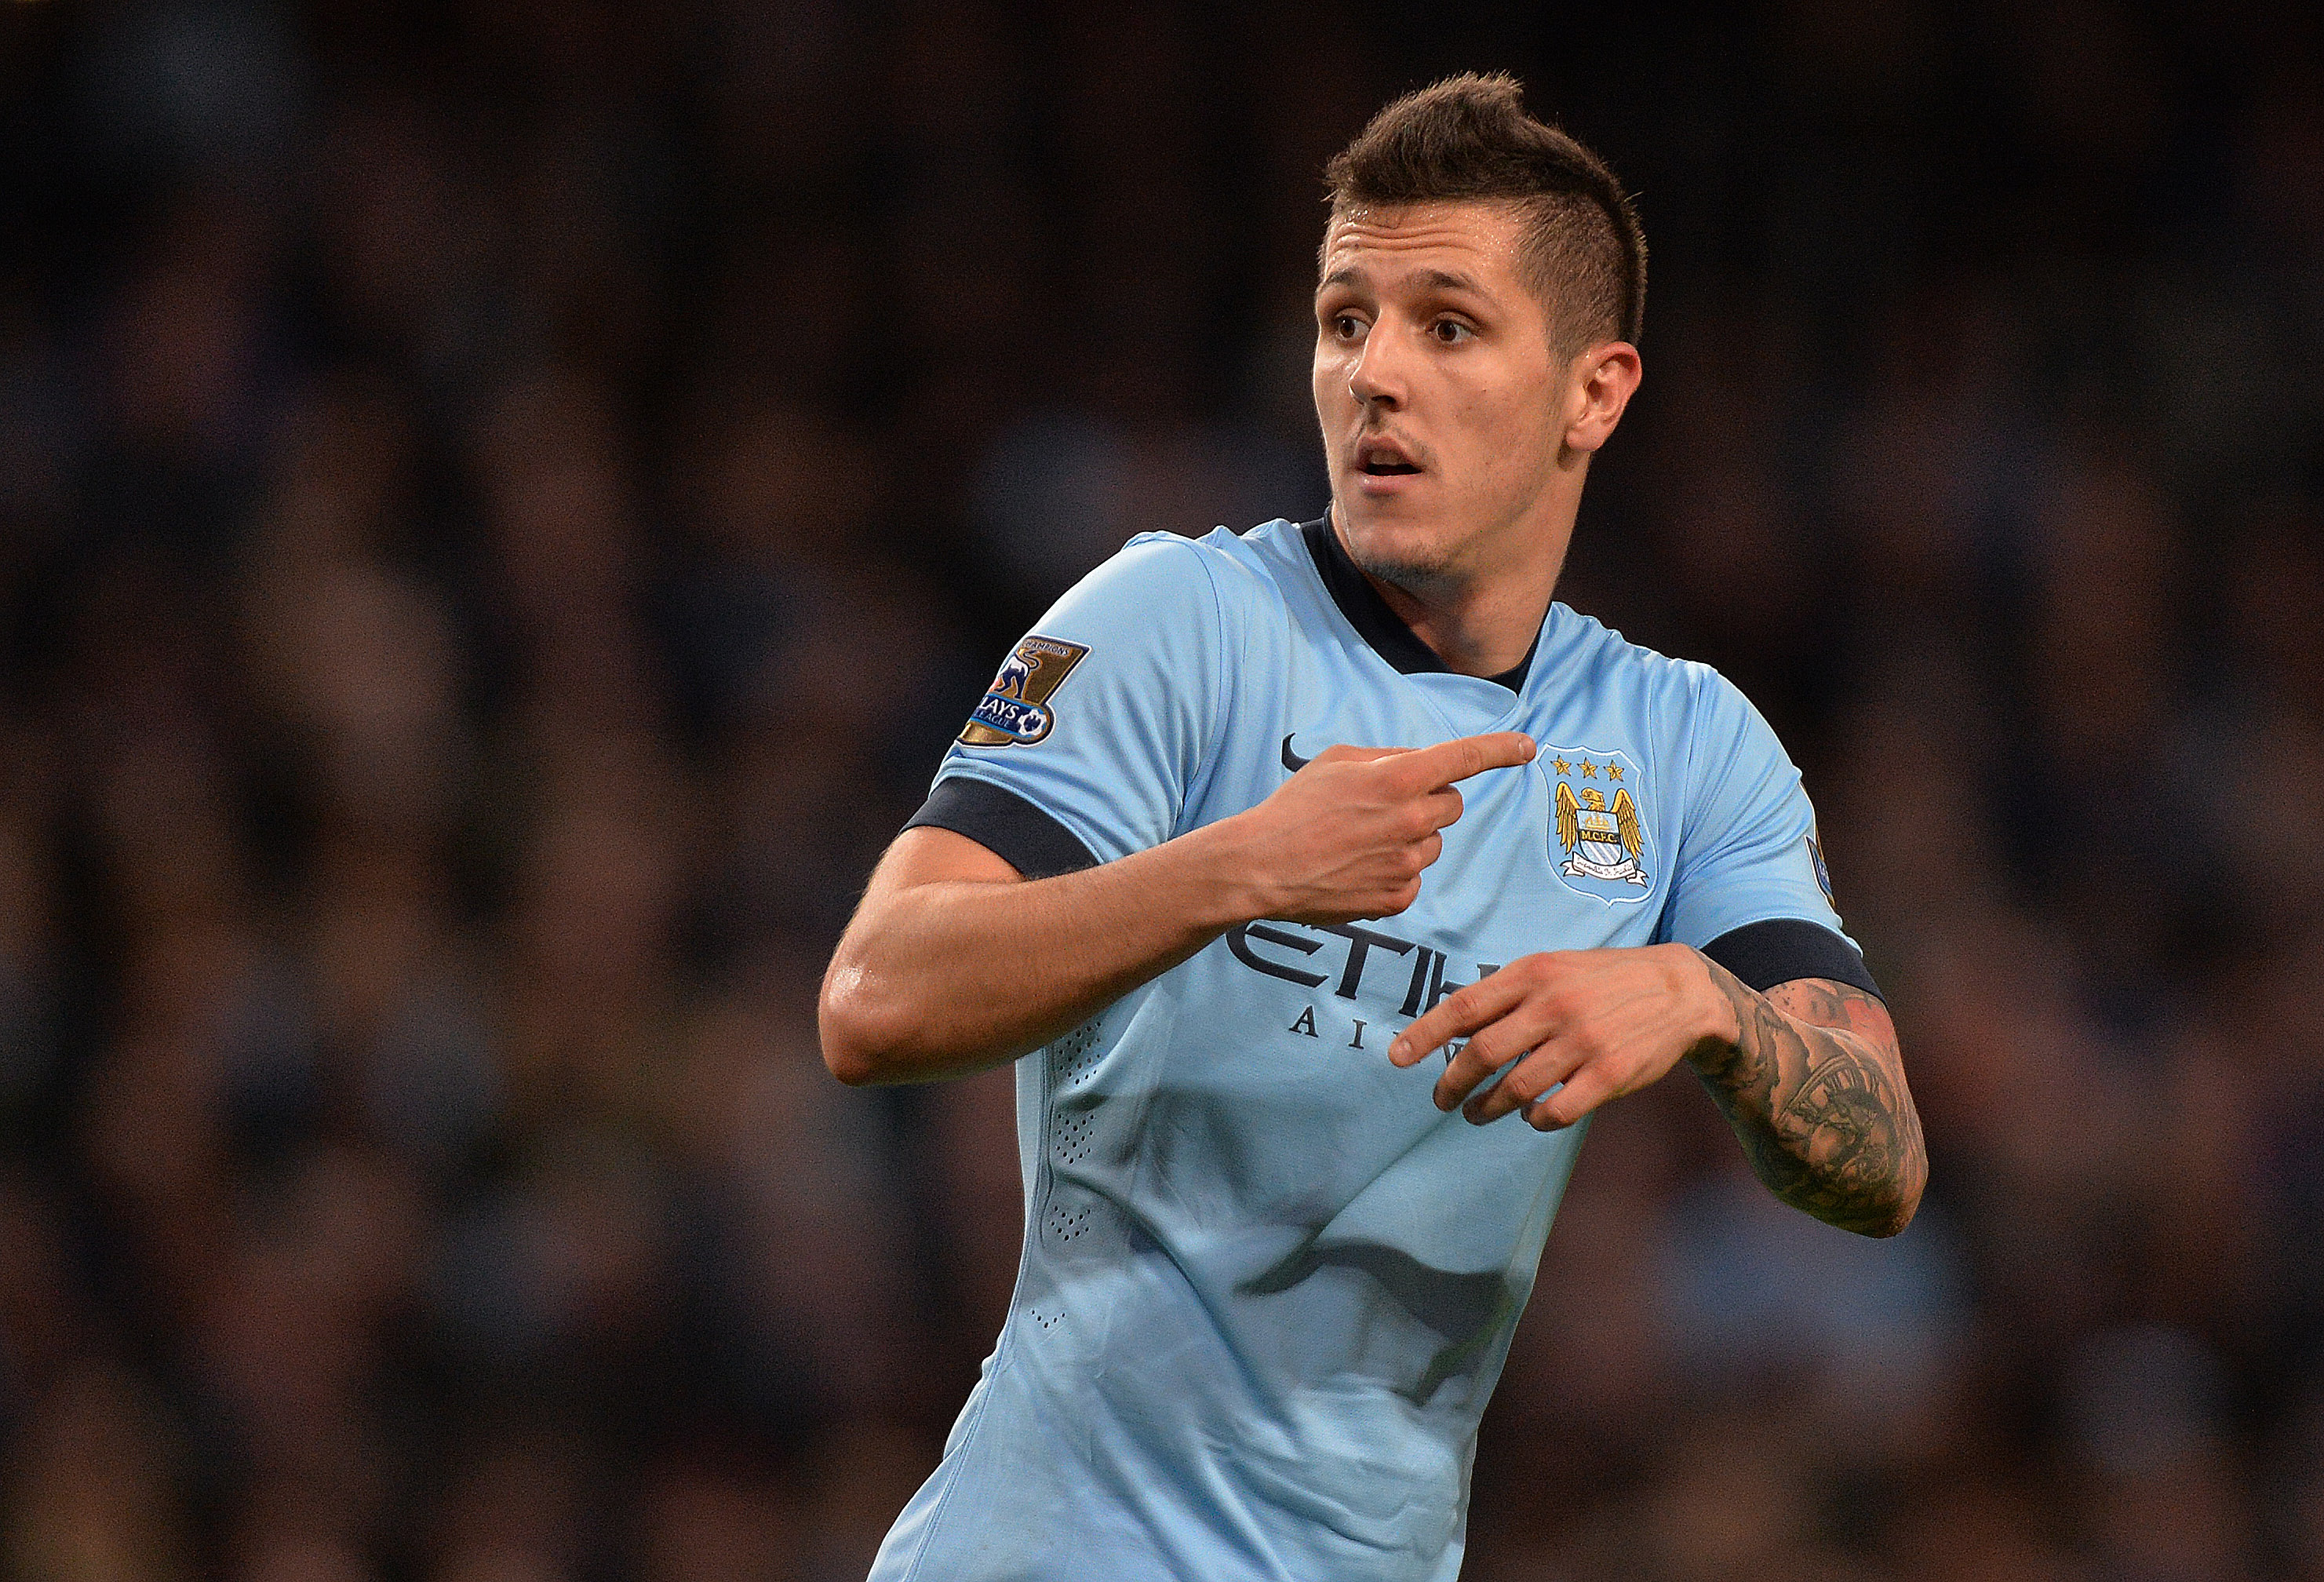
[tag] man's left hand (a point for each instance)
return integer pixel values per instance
(1601, 1022)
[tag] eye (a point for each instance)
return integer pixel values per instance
(1451, 331)
(1346, 327)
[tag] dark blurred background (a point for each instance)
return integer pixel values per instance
(503, 504)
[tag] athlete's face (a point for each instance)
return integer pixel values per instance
(1455, 435)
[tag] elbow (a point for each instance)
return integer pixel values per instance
(850, 1062)
(1893, 1224)
(1901, 1206)
(861, 1032)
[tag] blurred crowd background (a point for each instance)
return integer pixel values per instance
(503, 502)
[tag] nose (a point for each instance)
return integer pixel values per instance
(1379, 377)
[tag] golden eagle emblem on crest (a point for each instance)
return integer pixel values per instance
(1600, 842)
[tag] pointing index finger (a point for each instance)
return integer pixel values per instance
(1429, 768)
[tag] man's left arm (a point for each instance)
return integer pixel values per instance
(1813, 1085)
(1808, 1074)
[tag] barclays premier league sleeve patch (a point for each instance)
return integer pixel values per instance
(1822, 873)
(1015, 709)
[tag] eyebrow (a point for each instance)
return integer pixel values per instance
(1437, 278)
(1447, 281)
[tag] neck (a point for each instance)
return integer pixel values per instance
(1478, 624)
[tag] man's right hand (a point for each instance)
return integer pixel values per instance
(909, 993)
(1348, 836)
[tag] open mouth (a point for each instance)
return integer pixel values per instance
(1381, 460)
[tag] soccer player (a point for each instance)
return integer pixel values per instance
(1285, 865)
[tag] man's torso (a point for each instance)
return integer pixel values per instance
(1266, 1286)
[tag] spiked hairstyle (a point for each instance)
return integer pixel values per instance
(1469, 139)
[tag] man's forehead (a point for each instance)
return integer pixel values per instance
(1372, 239)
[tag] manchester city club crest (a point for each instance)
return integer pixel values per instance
(1597, 833)
(1014, 711)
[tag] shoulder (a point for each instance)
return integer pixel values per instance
(1161, 578)
(1240, 566)
(1587, 650)
(1155, 588)
(1696, 722)
(1163, 602)
(1171, 567)
(1153, 562)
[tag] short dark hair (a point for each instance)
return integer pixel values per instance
(1468, 138)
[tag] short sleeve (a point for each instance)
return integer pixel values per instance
(1098, 721)
(1750, 888)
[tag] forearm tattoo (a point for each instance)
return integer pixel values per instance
(1818, 1099)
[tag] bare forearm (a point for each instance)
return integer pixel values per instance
(954, 963)
(1820, 1105)
(939, 979)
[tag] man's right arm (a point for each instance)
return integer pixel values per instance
(954, 963)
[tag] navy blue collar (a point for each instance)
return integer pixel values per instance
(1374, 621)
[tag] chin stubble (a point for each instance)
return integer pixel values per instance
(1423, 580)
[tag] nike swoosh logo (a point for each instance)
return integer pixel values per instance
(1291, 760)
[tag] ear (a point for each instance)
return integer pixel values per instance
(1600, 384)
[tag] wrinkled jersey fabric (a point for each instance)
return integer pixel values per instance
(1266, 1286)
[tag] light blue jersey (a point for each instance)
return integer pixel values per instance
(1267, 1287)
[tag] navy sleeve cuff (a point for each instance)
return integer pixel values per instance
(1764, 955)
(1018, 832)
